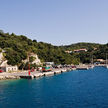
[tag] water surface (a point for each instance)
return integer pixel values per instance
(75, 89)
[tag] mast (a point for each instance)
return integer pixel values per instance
(92, 62)
(106, 59)
(28, 65)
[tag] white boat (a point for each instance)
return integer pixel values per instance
(92, 65)
(107, 66)
(106, 61)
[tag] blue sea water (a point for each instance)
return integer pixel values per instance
(75, 89)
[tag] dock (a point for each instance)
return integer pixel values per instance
(82, 67)
(54, 71)
(36, 74)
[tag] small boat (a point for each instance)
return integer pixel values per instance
(91, 66)
(106, 66)
(46, 69)
(106, 61)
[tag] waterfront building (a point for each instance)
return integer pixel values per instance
(4, 66)
(9, 68)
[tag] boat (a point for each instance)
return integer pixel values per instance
(46, 69)
(106, 65)
(92, 65)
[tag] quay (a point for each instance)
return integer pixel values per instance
(36, 74)
(82, 67)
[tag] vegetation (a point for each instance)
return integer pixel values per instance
(17, 49)
(89, 46)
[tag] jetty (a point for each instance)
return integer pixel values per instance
(54, 71)
(35, 74)
(82, 67)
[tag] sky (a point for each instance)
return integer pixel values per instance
(59, 22)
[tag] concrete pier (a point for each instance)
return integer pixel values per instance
(27, 77)
(36, 74)
(57, 72)
(64, 70)
(48, 73)
(82, 67)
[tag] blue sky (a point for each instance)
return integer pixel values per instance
(59, 22)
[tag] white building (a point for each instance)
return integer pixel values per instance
(4, 66)
(10, 68)
(80, 50)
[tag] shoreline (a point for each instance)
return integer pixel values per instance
(36, 74)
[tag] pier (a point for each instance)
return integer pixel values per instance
(36, 74)
(82, 67)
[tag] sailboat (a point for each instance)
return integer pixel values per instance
(106, 61)
(92, 65)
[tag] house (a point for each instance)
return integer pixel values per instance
(101, 60)
(95, 48)
(9, 68)
(68, 51)
(80, 50)
(4, 66)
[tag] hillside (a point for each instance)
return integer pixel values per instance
(88, 46)
(18, 48)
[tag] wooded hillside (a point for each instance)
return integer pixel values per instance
(17, 49)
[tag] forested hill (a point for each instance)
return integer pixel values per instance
(88, 46)
(17, 49)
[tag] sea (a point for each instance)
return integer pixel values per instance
(74, 89)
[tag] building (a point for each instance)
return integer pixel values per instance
(68, 51)
(95, 48)
(101, 60)
(9, 68)
(80, 50)
(4, 66)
